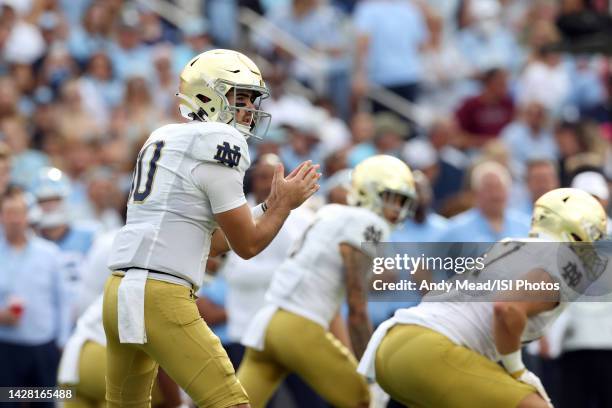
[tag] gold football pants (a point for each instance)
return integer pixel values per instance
(422, 368)
(299, 345)
(178, 340)
(90, 391)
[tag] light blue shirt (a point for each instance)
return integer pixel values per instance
(26, 166)
(83, 45)
(34, 275)
(396, 31)
(78, 239)
(429, 231)
(525, 145)
(360, 152)
(137, 61)
(320, 28)
(472, 226)
(216, 292)
(499, 49)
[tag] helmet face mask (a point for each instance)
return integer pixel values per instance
(397, 206)
(384, 185)
(212, 84)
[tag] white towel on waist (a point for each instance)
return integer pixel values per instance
(68, 372)
(367, 364)
(130, 307)
(255, 334)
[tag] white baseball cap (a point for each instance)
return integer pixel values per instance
(593, 183)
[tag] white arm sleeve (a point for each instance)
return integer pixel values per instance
(222, 185)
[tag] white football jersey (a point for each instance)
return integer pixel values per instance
(185, 174)
(470, 323)
(310, 282)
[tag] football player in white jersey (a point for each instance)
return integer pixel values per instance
(327, 266)
(445, 353)
(187, 184)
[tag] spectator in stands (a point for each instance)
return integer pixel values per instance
(129, 55)
(485, 42)
(23, 75)
(23, 41)
(5, 168)
(545, 79)
(104, 197)
(580, 145)
(304, 142)
(195, 41)
(138, 115)
(9, 98)
(362, 132)
(34, 313)
(529, 137)
(445, 137)
(58, 67)
(337, 187)
(99, 78)
(541, 176)
(490, 220)
(445, 70)
(602, 112)
(595, 184)
(390, 134)
(166, 82)
(482, 117)
(385, 58)
(26, 162)
(93, 35)
(587, 90)
(81, 115)
(322, 28)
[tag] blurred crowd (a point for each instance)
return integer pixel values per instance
(500, 115)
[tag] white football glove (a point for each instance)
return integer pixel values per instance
(530, 378)
(378, 397)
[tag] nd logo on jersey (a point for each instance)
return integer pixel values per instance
(228, 156)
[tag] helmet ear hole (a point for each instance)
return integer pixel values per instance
(202, 98)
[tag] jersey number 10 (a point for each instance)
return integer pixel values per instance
(138, 193)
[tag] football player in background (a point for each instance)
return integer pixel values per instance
(188, 183)
(292, 333)
(444, 352)
(52, 219)
(83, 366)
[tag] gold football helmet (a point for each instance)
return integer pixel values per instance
(569, 215)
(206, 82)
(377, 180)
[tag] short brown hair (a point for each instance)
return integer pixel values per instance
(5, 151)
(12, 191)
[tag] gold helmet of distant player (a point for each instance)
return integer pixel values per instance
(206, 82)
(568, 215)
(376, 180)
